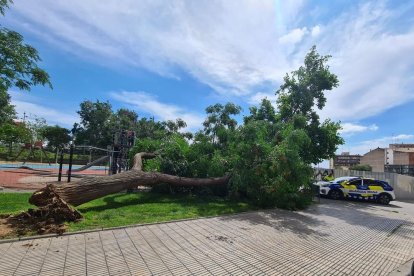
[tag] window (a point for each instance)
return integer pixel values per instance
(356, 182)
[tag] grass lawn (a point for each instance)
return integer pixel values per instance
(125, 209)
(11, 203)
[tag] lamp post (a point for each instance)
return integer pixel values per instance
(60, 164)
(70, 160)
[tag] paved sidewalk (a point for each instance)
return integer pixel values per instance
(331, 238)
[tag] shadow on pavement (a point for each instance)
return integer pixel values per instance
(380, 218)
(315, 220)
(282, 220)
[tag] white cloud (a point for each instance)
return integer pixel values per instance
(32, 106)
(294, 36)
(237, 46)
(51, 115)
(374, 64)
(148, 103)
(207, 39)
(383, 142)
(258, 97)
(316, 30)
(350, 128)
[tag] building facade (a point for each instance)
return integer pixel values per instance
(375, 158)
(345, 160)
(397, 158)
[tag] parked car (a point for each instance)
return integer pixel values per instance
(359, 188)
(337, 180)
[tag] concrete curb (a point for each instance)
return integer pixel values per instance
(120, 227)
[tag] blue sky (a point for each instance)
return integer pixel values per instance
(171, 59)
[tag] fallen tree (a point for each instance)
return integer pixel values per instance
(55, 201)
(85, 190)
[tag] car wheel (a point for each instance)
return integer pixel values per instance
(336, 194)
(384, 199)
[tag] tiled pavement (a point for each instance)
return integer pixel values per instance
(331, 238)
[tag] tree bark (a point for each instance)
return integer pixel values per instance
(79, 192)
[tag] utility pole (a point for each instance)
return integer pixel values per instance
(70, 160)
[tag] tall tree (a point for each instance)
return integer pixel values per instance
(125, 119)
(96, 124)
(56, 136)
(4, 4)
(18, 61)
(219, 122)
(300, 96)
(149, 128)
(36, 127)
(7, 112)
(265, 111)
(11, 133)
(18, 67)
(269, 157)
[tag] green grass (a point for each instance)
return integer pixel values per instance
(11, 203)
(134, 208)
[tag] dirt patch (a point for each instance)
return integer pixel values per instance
(220, 238)
(6, 230)
(49, 218)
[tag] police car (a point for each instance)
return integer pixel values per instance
(360, 188)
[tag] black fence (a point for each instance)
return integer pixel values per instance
(400, 169)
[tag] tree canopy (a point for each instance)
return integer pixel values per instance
(56, 136)
(300, 96)
(18, 67)
(7, 112)
(18, 63)
(270, 155)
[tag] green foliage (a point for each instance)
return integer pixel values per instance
(14, 133)
(18, 63)
(124, 119)
(56, 136)
(174, 127)
(99, 123)
(36, 128)
(95, 124)
(4, 4)
(269, 156)
(268, 167)
(171, 159)
(200, 154)
(290, 172)
(300, 93)
(173, 156)
(250, 160)
(149, 128)
(147, 145)
(219, 124)
(265, 112)
(361, 167)
(18, 67)
(7, 112)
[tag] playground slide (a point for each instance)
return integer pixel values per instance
(97, 161)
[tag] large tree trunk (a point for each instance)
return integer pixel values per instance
(79, 192)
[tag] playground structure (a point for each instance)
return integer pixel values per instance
(74, 161)
(116, 154)
(32, 148)
(121, 144)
